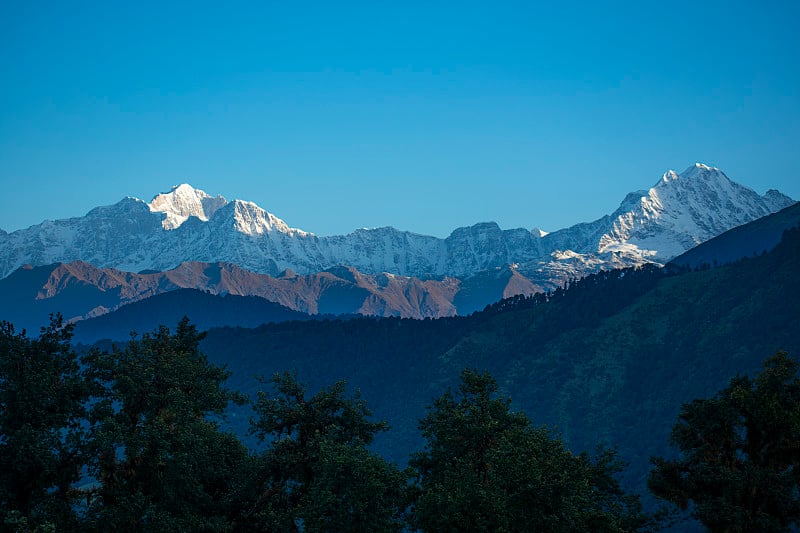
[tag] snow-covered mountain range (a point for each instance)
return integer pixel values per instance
(186, 224)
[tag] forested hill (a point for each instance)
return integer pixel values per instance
(609, 360)
(621, 378)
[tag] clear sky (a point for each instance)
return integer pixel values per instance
(424, 116)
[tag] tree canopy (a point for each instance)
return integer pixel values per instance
(42, 405)
(317, 472)
(739, 463)
(131, 439)
(486, 468)
(158, 455)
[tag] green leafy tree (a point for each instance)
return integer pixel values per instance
(317, 473)
(739, 466)
(485, 468)
(42, 407)
(159, 457)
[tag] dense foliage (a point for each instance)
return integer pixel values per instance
(160, 461)
(43, 398)
(133, 437)
(610, 359)
(317, 470)
(486, 468)
(131, 441)
(740, 454)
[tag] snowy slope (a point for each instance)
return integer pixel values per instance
(679, 212)
(186, 224)
(683, 210)
(182, 202)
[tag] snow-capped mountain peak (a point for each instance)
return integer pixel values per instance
(184, 201)
(669, 175)
(186, 224)
(699, 171)
(250, 219)
(696, 171)
(700, 167)
(683, 210)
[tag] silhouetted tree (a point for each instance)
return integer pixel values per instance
(739, 468)
(42, 406)
(318, 474)
(485, 468)
(159, 458)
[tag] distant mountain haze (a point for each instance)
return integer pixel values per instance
(207, 311)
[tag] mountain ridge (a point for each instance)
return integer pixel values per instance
(757, 237)
(680, 211)
(81, 291)
(207, 310)
(609, 359)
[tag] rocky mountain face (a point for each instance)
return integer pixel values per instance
(187, 224)
(82, 291)
(679, 212)
(183, 202)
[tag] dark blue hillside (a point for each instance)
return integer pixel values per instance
(206, 310)
(610, 359)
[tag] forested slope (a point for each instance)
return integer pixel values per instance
(610, 359)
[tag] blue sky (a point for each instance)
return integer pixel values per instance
(423, 116)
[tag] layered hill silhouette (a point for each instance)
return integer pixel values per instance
(609, 359)
(82, 292)
(757, 237)
(207, 310)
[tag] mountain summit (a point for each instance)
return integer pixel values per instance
(683, 210)
(184, 201)
(187, 224)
